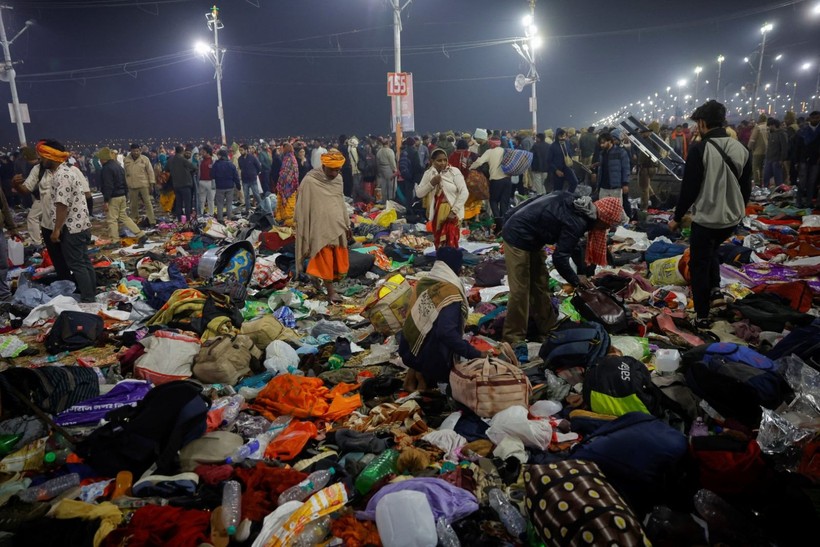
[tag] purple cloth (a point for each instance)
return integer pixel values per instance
(446, 500)
(127, 392)
(769, 272)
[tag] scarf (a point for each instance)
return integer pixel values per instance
(320, 217)
(48, 153)
(433, 293)
(610, 211)
(288, 177)
(333, 159)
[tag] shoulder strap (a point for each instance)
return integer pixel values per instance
(729, 163)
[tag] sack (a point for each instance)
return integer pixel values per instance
(572, 503)
(489, 385)
(574, 344)
(601, 307)
(618, 385)
(265, 330)
(639, 454)
(387, 311)
(490, 273)
(168, 356)
(168, 418)
(226, 359)
(51, 388)
(477, 185)
(515, 162)
(798, 294)
(74, 330)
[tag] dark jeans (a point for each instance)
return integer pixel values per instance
(569, 179)
(500, 194)
(183, 202)
(704, 267)
(5, 292)
(75, 251)
(55, 252)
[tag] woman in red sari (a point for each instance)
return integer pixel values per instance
(449, 194)
(462, 159)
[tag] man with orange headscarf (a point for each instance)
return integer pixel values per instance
(322, 224)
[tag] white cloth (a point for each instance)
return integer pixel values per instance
(447, 440)
(316, 157)
(452, 184)
(53, 308)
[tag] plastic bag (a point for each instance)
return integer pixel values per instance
(566, 308)
(386, 218)
(281, 358)
(666, 271)
(513, 421)
(333, 328)
(289, 298)
(28, 295)
(631, 346)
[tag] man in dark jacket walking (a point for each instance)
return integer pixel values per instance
(807, 152)
(182, 178)
(249, 169)
(226, 179)
(114, 189)
(560, 163)
(540, 164)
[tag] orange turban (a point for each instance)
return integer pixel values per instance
(333, 159)
(49, 153)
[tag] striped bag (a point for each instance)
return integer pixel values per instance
(489, 385)
(516, 162)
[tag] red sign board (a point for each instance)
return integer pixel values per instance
(397, 84)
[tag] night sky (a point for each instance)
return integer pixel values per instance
(297, 67)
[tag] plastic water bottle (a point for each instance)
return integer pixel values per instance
(232, 409)
(513, 521)
(312, 484)
(50, 489)
(56, 458)
(382, 466)
(231, 506)
(243, 452)
(313, 533)
(446, 535)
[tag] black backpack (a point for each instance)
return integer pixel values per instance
(574, 345)
(135, 438)
(74, 330)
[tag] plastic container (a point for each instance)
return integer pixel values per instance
(231, 411)
(667, 361)
(56, 458)
(312, 484)
(243, 452)
(446, 535)
(511, 518)
(404, 519)
(8, 442)
(313, 533)
(382, 466)
(231, 506)
(50, 489)
(122, 486)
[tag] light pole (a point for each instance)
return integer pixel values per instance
(8, 73)
(777, 78)
(527, 52)
(764, 30)
(215, 54)
(681, 85)
(720, 60)
(698, 70)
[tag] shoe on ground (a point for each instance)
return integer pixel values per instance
(703, 324)
(522, 352)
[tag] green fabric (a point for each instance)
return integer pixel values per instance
(615, 406)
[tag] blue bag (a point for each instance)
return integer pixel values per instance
(662, 249)
(574, 344)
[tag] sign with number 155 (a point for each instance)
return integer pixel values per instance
(396, 84)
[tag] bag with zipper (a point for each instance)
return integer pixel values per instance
(226, 359)
(617, 385)
(572, 503)
(574, 344)
(489, 385)
(601, 307)
(74, 330)
(516, 162)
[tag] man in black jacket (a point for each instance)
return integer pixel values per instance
(182, 178)
(114, 189)
(540, 163)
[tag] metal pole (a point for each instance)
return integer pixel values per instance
(220, 112)
(9, 68)
(717, 88)
(535, 82)
(816, 90)
(794, 93)
(397, 54)
(759, 71)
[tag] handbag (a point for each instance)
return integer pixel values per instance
(225, 359)
(387, 311)
(489, 385)
(601, 307)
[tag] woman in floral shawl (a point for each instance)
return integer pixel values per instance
(286, 187)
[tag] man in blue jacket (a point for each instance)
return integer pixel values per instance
(560, 163)
(226, 178)
(249, 167)
(613, 169)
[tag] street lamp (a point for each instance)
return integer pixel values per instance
(764, 30)
(8, 74)
(527, 52)
(215, 54)
(698, 70)
(720, 60)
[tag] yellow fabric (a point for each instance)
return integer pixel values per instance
(166, 201)
(472, 210)
(333, 159)
(109, 514)
(285, 209)
(49, 153)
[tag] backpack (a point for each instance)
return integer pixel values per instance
(135, 438)
(617, 385)
(74, 330)
(226, 359)
(574, 344)
(516, 162)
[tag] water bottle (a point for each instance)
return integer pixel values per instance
(312, 484)
(382, 466)
(515, 524)
(243, 452)
(446, 535)
(56, 458)
(313, 533)
(50, 489)
(231, 506)
(231, 411)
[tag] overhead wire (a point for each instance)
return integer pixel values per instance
(121, 101)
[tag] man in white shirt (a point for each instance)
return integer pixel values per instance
(316, 155)
(500, 184)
